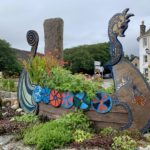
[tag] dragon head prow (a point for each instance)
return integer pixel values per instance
(119, 22)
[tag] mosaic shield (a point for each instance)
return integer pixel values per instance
(102, 103)
(37, 94)
(45, 95)
(55, 98)
(80, 101)
(67, 100)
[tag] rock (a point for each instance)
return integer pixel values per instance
(22, 113)
(6, 102)
(5, 139)
(15, 105)
(145, 148)
(12, 119)
(5, 94)
(17, 146)
(3, 107)
(147, 136)
(142, 143)
(7, 143)
(19, 110)
(10, 101)
(53, 33)
(14, 95)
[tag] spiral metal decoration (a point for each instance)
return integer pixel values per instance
(33, 40)
(32, 37)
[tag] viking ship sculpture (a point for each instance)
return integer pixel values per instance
(127, 108)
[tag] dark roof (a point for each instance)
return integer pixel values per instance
(136, 57)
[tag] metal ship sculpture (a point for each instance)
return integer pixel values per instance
(127, 108)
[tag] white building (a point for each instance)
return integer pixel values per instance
(144, 48)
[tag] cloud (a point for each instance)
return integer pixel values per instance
(85, 21)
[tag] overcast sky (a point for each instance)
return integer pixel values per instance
(85, 21)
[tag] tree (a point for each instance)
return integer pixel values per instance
(127, 57)
(81, 58)
(8, 61)
(130, 58)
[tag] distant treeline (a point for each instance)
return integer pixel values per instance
(81, 58)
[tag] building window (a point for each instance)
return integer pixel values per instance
(144, 41)
(145, 59)
(136, 65)
(146, 72)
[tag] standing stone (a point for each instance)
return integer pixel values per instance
(53, 32)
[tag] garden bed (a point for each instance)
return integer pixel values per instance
(73, 131)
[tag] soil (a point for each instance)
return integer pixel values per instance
(7, 126)
(97, 141)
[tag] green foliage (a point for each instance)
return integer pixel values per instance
(7, 85)
(123, 143)
(81, 58)
(40, 68)
(135, 134)
(81, 135)
(56, 133)
(48, 136)
(62, 80)
(109, 90)
(26, 118)
(19, 135)
(130, 57)
(8, 62)
(76, 120)
(51, 75)
(108, 132)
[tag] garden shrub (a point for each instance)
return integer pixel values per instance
(76, 120)
(7, 85)
(123, 143)
(30, 118)
(81, 135)
(135, 134)
(108, 132)
(56, 133)
(48, 136)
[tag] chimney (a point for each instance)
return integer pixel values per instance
(142, 29)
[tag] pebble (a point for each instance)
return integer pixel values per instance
(3, 107)
(4, 114)
(146, 135)
(19, 110)
(14, 107)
